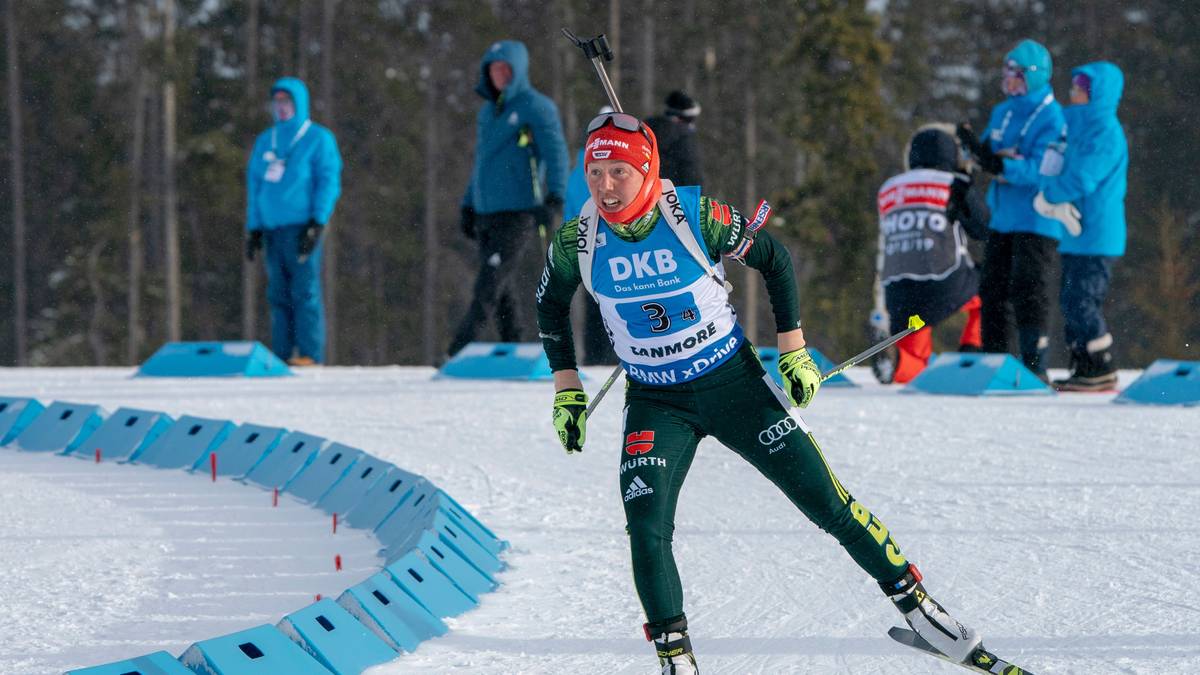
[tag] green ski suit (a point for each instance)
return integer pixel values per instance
(737, 403)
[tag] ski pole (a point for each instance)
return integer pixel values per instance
(914, 324)
(612, 379)
(597, 51)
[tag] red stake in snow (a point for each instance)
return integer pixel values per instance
(337, 562)
(275, 499)
(335, 523)
(212, 460)
(318, 597)
(97, 455)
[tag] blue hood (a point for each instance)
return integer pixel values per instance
(1108, 84)
(516, 55)
(299, 93)
(1035, 59)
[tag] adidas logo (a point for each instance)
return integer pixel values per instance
(637, 488)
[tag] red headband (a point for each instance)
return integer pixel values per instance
(637, 149)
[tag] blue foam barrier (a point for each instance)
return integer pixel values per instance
(261, 650)
(61, 427)
(189, 439)
(355, 485)
(314, 480)
(158, 663)
(415, 512)
(293, 452)
(452, 535)
(213, 359)
(769, 356)
(391, 613)
(382, 498)
(473, 581)
(242, 449)
(434, 590)
(335, 638)
(16, 414)
(499, 361)
(125, 433)
(478, 530)
(1165, 382)
(976, 374)
(411, 514)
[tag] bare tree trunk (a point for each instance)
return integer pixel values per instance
(571, 106)
(750, 198)
(614, 41)
(170, 197)
(249, 268)
(328, 13)
(301, 69)
(17, 157)
(429, 304)
(689, 74)
(95, 334)
(647, 59)
(136, 253)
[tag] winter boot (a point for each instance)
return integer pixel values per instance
(1093, 368)
(674, 648)
(929, 619)
(1033, 351)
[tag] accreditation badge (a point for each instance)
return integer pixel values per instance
(274, 172)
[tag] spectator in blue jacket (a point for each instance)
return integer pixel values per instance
(1088, 196)
(1019, 254)
(517, 185)
(293, 182)
(596, 346)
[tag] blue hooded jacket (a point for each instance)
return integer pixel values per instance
(577, 190)
(1026, 125)
(312, 176)
(1095, 166)
(512, 174)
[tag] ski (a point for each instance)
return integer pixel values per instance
(981, 660)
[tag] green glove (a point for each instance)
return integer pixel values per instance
(801, 376)
(570, 418)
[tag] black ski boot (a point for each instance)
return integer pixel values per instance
(673, 645)
(1093, 368)
(929, 619)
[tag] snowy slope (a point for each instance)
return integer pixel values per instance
(1063, 528)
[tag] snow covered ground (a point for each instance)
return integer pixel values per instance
(1064, 528)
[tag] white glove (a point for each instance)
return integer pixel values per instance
(1063, 212)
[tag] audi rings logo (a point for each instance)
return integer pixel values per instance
(778, 430)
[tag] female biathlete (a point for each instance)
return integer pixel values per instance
(650, 253)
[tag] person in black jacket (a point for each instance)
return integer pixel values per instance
(925, 217)
(675, 130)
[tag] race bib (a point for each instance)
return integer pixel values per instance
(274, 172)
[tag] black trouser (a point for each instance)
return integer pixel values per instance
(739, 405)
(501, 287)
(1016, 272)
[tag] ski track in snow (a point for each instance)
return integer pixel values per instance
(1062, 527)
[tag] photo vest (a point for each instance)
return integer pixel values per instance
(917, 240)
